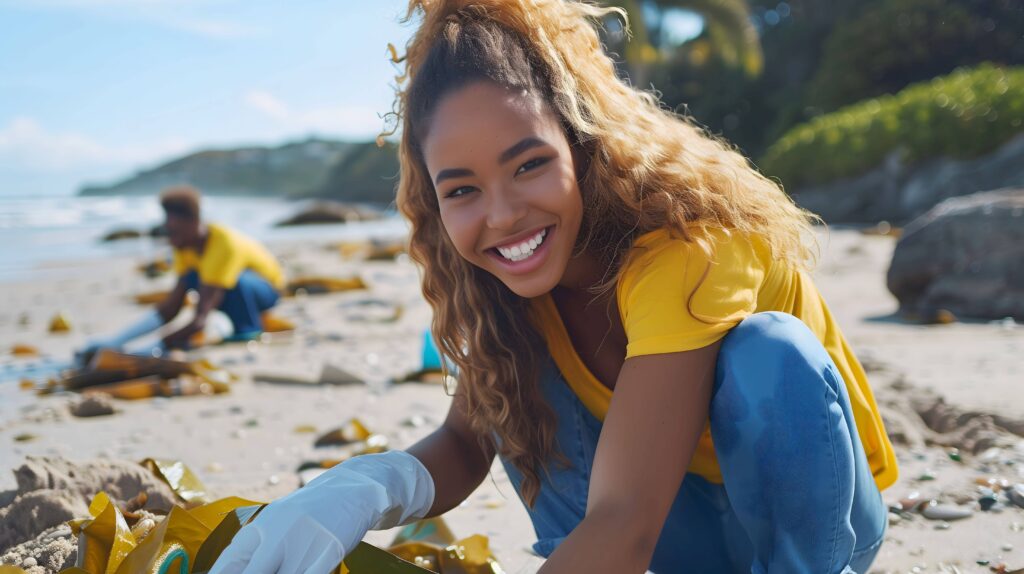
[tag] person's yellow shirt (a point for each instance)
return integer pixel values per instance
(225, 256)
(665, 278)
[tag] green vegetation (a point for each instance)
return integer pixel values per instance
(892, 44)
(964, 114)
(368, 174)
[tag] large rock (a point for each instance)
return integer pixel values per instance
(329, 212)
(897, 193)
(965, 256)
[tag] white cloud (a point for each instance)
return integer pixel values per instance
(25, 145)
(343, 120)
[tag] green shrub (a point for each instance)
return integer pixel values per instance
(962, 115)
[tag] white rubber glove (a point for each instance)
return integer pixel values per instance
(312, 529)
(148, 323)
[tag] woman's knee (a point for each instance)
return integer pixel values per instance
(764, 342)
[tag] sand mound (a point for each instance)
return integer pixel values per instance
(120, 479)
(34, 512)
(916, 417)
(52, 491)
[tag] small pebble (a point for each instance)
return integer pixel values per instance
(274, 479)
(1007, 547)
(29, 562)
(935, 511)
(942, 526)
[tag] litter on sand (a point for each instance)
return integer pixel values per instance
(126, 376)
(123, 538)
(317, 285)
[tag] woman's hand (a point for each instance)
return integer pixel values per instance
(313, 528)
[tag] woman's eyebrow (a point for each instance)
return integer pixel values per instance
(505, 157)
(523, 145)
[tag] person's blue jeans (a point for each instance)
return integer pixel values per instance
(244, 304)
(798, 494)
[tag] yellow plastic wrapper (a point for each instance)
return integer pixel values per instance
(317, 285)
(352, 431)
(275, 324)
(107, 546)
(180, 478)
(151, 297)
(60, 324)
(22, 350)
(431, 545)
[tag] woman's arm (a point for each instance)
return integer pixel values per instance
(655, 420)
(454, 457)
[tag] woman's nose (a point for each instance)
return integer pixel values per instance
(505, 210)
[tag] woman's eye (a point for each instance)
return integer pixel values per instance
(535, 162)
(459, 191)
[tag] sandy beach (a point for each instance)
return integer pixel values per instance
(941, 387)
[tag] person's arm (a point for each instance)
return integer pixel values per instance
(655, 420)
(310, 530)
(173, 302)
(210, 298)
(454, 457)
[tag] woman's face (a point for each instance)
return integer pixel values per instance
(505, 180)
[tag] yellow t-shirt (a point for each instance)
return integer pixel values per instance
(226, 255)
(656, 293)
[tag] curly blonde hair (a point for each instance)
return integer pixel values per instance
(645, 169)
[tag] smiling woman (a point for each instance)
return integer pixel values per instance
(627, 304)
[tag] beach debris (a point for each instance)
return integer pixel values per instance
(92, 405)
(59, 324)
(373, 311)
(155, 268)
(22, 350)
(316, 285)
(430, 544)
(183, 482)
(127, 376)
(25, 437)
(329, 374)
(275, 324)
(374, 250)
(304, 429)
(27, 384)
(153, 297)
(352, 431)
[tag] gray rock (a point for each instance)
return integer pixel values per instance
(897, 193)
(934, 511)
(965, 256)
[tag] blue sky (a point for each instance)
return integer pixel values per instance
(92, 90)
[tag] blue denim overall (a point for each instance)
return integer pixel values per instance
(798, 494)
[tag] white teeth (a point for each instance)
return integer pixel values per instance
(525, 249)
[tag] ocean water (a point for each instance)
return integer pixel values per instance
(50, 236)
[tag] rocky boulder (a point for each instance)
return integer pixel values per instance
(965, 256)
(897, 192)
